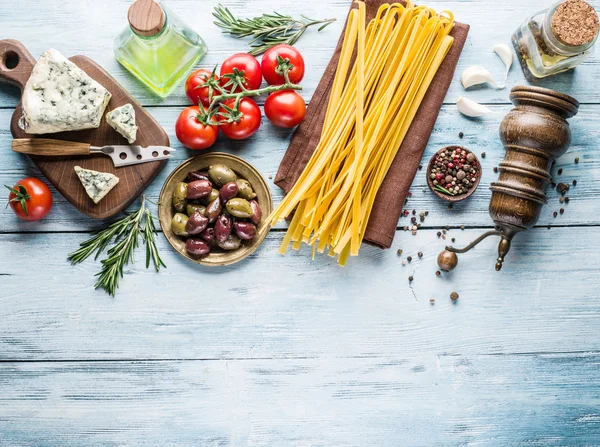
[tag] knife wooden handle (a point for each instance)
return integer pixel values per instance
(49, 147)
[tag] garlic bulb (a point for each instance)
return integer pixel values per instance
(471, 108)
(476, 75)
(505, 53)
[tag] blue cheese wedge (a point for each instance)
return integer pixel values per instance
(122, 119)
(96, 184)
(59, 96)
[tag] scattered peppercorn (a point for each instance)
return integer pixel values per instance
(460, 134)
(409, 258)
(549, 226)
(562, 210)
(420, 167)
(483, 155)
(559, 172)
(462, 227)
(405, 228)
(410, 278)
(420, 254)
(438, 273)
(450, 207)
(414, 212)
(454, 296)
(566, 200)
(574, 182)
(444, 231)
(399, 252)
(403, 262)
(427, 212)
(576, 160)
(453, 240)
(553, 185)
(562, 188)
(432, 300)
(555, 214)
(561, 199)
(439, 233)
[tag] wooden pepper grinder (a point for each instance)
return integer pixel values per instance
(534, 134)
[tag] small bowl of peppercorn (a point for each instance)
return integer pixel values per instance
(453, 173)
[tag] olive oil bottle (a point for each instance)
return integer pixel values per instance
(157, 47)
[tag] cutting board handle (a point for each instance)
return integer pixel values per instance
(16, 62)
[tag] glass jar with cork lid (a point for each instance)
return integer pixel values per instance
(157, 47)
(556, 39)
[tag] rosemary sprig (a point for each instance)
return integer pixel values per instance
(266, 30)
(124, 233)
(438, 188)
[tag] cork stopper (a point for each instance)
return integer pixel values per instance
(146, 17)
(575, 23)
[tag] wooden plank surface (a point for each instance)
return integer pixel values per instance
(417, 400)
(286, 351)
(272, 306)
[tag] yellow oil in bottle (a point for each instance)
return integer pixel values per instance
(160, 61)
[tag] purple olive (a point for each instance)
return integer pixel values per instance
(231, 243)
(255, 218)
(198, 189)
(245, 230)
(195, 175)
(228, 191)
(213, 210)
(223, 228)
(197, 247)
(209, 236)
(197, 223)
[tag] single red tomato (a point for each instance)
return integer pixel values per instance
(192, 132)
(30, 199)
(195, 88)
(269, 64)
(248, 123)
(285, 108)
(247, 63)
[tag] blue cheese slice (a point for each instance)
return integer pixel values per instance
(122, 119)
(96, 184)
(59, 96)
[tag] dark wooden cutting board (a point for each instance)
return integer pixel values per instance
(16, 64)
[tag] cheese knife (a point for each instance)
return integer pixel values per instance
(121, 155)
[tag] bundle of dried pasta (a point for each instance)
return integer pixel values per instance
(372, 104)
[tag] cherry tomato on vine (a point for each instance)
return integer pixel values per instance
(269, 64)
(30, 199)
(285, 108)
(192, 132)
(248, 123)
(194, 86)
(247, 63)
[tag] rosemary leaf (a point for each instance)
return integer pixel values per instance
(266, 30)
(124, 234)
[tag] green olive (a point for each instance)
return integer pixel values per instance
(221, 174)
(179, 193)
(245, 189)
(239, 208)
(211, 197)
(178, 224)
(192, 207)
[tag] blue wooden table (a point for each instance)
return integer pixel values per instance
(288, 351)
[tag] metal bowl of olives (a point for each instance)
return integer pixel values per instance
(213, 209)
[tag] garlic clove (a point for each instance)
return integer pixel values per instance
(505, 53)
(476, 75)
(471, 108)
